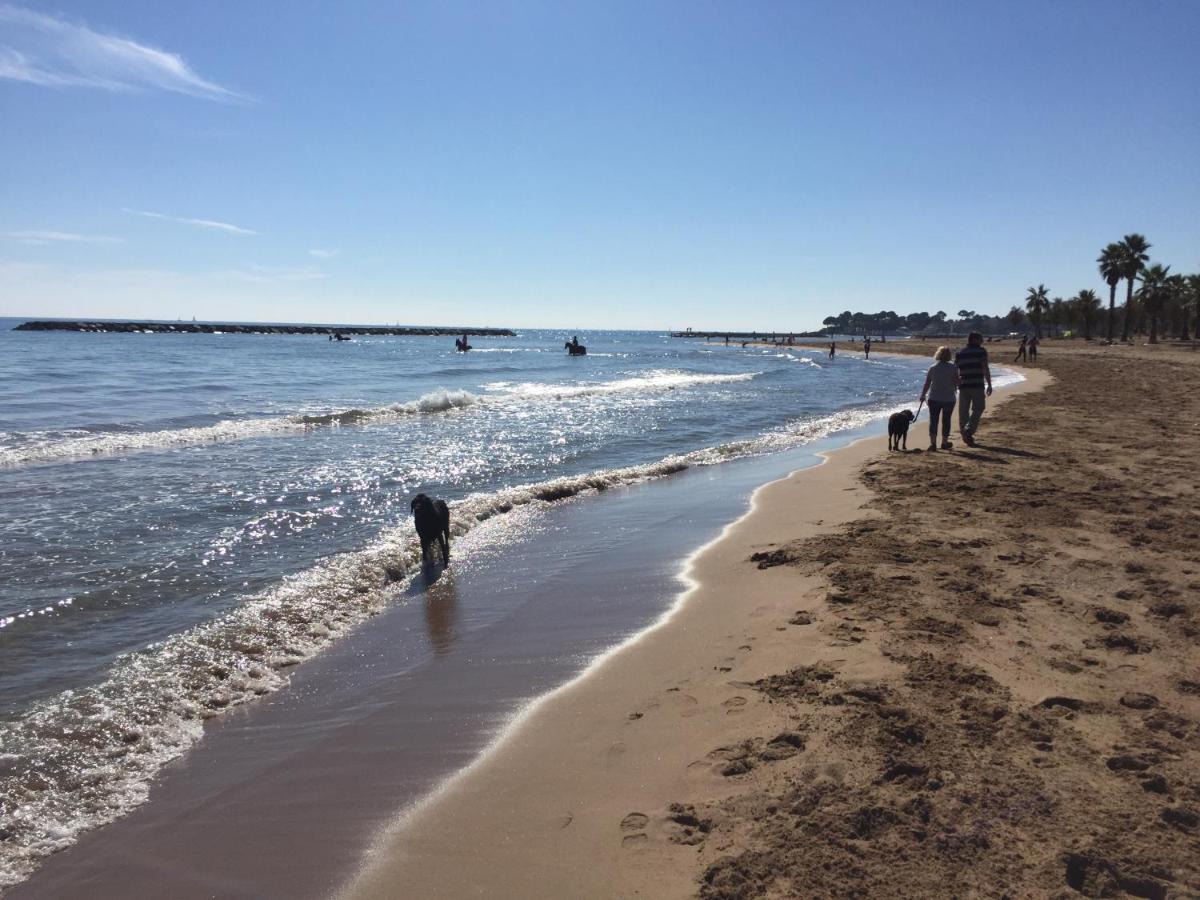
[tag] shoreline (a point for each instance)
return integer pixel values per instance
(344, 704)
(576, 797)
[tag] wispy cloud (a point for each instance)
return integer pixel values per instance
(199, 223)
(324, 254)
(40, 49)
(59, 237)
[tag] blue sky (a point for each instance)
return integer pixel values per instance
(584, 165)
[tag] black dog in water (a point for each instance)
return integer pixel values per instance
(432, 519)
(898, 429)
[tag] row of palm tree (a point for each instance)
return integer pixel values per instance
(1123, 259)
(1161, 296)
(1082, 309)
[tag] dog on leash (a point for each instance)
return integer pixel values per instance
(898, 429)
(432, 520)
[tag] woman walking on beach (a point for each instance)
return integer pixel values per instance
(941, 389)
(1033, 342)
(1020, 357)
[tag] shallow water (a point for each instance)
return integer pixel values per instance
(187, 516)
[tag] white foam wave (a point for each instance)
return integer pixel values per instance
(91, 444)
(68, 446)
(510, 350)
(652, 381)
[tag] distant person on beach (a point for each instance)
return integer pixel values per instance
(867, 348)
(832, 348)
(972, 362)
(1021, 351)
(1033, 342)
(941, 386)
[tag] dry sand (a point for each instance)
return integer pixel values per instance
(954, 674)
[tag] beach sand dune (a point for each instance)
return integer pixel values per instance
(954, 674)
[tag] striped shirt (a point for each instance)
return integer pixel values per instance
(971, 362)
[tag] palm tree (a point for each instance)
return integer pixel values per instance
(1087, 305)
(1177, 306)
(1112, 272)
(1134, 255)
(1037, 302)
(1194, 286)
(1057, 315)
(1153, 294)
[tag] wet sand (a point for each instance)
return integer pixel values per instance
(924, 674)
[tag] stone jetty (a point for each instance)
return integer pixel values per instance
(219, 328)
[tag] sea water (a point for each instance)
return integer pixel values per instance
(184, 518)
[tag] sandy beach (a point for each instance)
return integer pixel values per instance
(968, 673)
(629, 296)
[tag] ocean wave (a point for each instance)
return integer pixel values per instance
(85, 757)
(512, 350)
(434, 402)
(652, 381)
(65, 446)
(47, 449)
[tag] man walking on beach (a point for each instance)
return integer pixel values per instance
(972, 362)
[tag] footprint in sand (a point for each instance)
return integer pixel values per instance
(564, 820)
(635, 821)
(733, 705)
(632, 825)
(691, 703)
